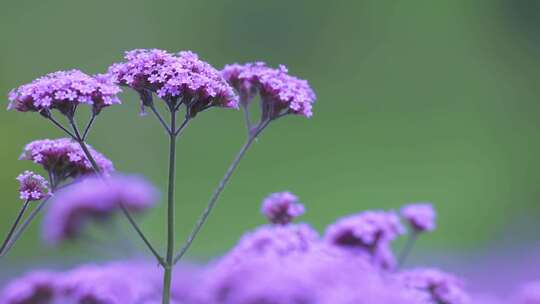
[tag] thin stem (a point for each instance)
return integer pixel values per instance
(217, 192)
(161, 120)
(14, 226)
(182, 127)
(247, 117)
(122, 206)
(59, 125)
(18, 233)
(167, 277)
(88, 126)
(407, 248)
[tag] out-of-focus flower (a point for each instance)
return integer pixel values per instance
(172, 76)
(281, 208)
(32, 187)
(94, 198)
(435, 285)
(32, 288)
(64, 90)
(367, 232)
(280, 92)
(528, 294)
(421, 217)
(63, 158)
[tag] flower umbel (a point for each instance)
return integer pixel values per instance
(421, 217)
(281, 208)
(33, 187)
(64, 91)
(172, 77)
(94, 198)
(64, 158)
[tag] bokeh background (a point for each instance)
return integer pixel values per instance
(417, 101)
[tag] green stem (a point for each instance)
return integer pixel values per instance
(407, 248)
(167, 277)
(213, 200)
(13, 227)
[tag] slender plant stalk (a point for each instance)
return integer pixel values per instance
(13, 227)
(167, 276)
(217, 192)
(407, 248)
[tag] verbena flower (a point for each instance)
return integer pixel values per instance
(421, 217)
(94, 199)
(280, 92)
(528, 294)
(64, 91)
(36, 287)
(64, 158)
(173, 76)
(435, 285)
(32, 187)
(367, 232)
(281, 208)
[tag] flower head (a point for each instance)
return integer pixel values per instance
(435, 285)
(32, 187)
(35, 287)
(421, 217)
(173, 76)
(94, 198)
(64, 90)
(528, 294)
(368, 232)
(281, 208)
(64, 158)
(280, 92)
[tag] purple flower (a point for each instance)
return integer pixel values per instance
(64, 90)
(281, 208)
(172, 76)
(63, 158)
(280, 92)
(421, 217)
(435, 285)
(33, 187)
(94, 198)
(528, 294)
(368, 232)
(35, 287)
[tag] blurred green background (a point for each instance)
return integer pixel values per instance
(417, 101)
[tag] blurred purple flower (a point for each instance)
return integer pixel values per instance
(528, 294)
(94, 198)
(32, 187)
(421, 217)
(435, 285)
(64, 90)
(171, 76)
(280, 92)
(281, 208)
(37, 287)
(368, 232)
(63, 158)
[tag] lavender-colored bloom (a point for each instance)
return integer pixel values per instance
(528, 294)
(94, 198)
(280, 92)
(64, 90)
(35, 287)
(421, 217)
(436, 286)
(172, 76)
(369, 233)
(32, 187)
(64, 158)
(281, 208)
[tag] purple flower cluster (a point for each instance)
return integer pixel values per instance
(280, 92)
(369, 233)
(32, 187)
(63, 158)
(421, 217)
(172, 76)
(64, 91)
(278, 264)
(281, 208)
(94, 199)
